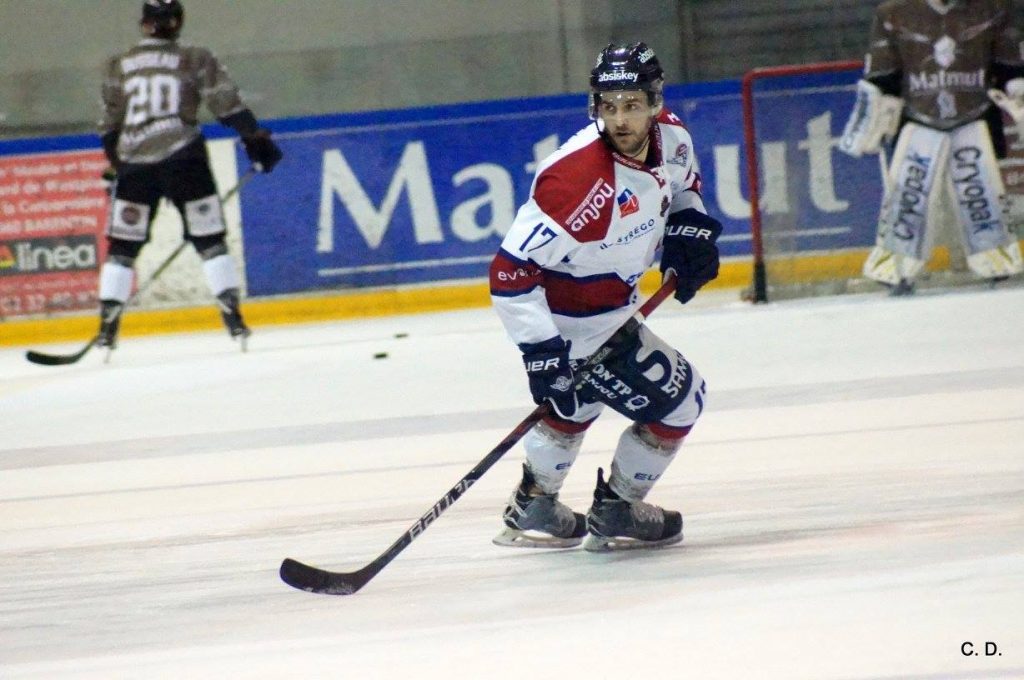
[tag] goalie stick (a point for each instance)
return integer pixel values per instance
(316, 580)
(45, 359)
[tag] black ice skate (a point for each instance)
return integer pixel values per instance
(534, 519)
(230, 311)
(996, 280)
(617, 524)
(110, 323)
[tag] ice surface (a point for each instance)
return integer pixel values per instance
(853, 498)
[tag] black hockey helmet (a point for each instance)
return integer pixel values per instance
(626, 67)
(165, 16)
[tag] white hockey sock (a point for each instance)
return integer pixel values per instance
(550, 454)
(638, 464)
(221, 274)
(115, 281)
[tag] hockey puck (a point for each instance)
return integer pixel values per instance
(401, 335)
(380, 355)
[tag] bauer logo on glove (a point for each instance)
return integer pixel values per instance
(689, 251)
(550, 374)
(690, 231)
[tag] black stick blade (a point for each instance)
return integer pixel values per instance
(53, 359)
(59, 359)
(314, 580)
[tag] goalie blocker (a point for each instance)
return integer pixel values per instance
(875, 117)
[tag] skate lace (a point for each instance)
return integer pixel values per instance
(539, 512)
(645, 513)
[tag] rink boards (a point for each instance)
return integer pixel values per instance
(400, 211)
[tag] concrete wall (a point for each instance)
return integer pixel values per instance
(295, 57)
(302, 57)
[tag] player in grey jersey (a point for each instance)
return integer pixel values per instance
(928, 74)
(150, 134)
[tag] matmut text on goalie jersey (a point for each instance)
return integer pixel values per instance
(571, 260)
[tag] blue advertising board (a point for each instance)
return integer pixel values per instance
(425, 195)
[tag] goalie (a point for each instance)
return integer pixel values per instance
(931, 75)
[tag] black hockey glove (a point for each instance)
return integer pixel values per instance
(689, 251)
(262, 150)
(109, 177)
(550, 373)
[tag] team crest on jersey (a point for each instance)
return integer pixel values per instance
(130, 215)
(628, 203)
(681, 155)
(945, 51)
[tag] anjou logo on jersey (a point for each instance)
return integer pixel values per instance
(628, 203)
(590, 208)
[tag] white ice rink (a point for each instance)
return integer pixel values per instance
(853, 499)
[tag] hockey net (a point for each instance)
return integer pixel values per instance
(814, 210)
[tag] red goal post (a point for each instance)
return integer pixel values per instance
(760, 285)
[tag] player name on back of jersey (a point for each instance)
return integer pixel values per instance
(144, 60)
(133, 138)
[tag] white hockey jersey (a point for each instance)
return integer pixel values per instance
(570, 263)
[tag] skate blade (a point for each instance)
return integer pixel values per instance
(595, 543)
(517, 538)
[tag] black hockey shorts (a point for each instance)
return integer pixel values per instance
(647, 381)
(186, 182)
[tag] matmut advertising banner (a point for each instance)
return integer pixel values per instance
(52, 213)
(395, 202)
(425, 196)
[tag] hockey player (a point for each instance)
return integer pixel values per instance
(564, 279)
(151, 95)
(926, 75)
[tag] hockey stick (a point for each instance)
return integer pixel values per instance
(315, 580)
(45, 359)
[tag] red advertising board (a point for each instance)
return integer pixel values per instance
(53, 210)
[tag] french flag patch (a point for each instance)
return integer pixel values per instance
(628, 203)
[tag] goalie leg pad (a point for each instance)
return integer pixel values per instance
(992, 249)
(904, 237)
(997, 263)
